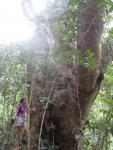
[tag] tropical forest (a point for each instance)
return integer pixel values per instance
(56, 74)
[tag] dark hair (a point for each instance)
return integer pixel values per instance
(22, 100)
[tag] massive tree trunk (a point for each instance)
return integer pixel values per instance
(72, 96)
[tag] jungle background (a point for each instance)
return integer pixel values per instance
(49, 50)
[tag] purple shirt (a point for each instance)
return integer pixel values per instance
(21, 110)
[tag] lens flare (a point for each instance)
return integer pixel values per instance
(14, 26)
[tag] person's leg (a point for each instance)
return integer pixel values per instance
(19, 129)
(19, 134)
(25, 133)
(24, 139)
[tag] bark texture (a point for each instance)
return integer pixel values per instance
(72, 95)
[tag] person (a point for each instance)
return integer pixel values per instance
(21, 122)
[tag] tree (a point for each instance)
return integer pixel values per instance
(68, 98)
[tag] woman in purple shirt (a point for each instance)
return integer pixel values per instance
(21, 122)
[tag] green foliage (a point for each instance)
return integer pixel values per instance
(91, 62)
(87, 58)
(12, 87)
(109, 5)
(98, 133)
(13, 72)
